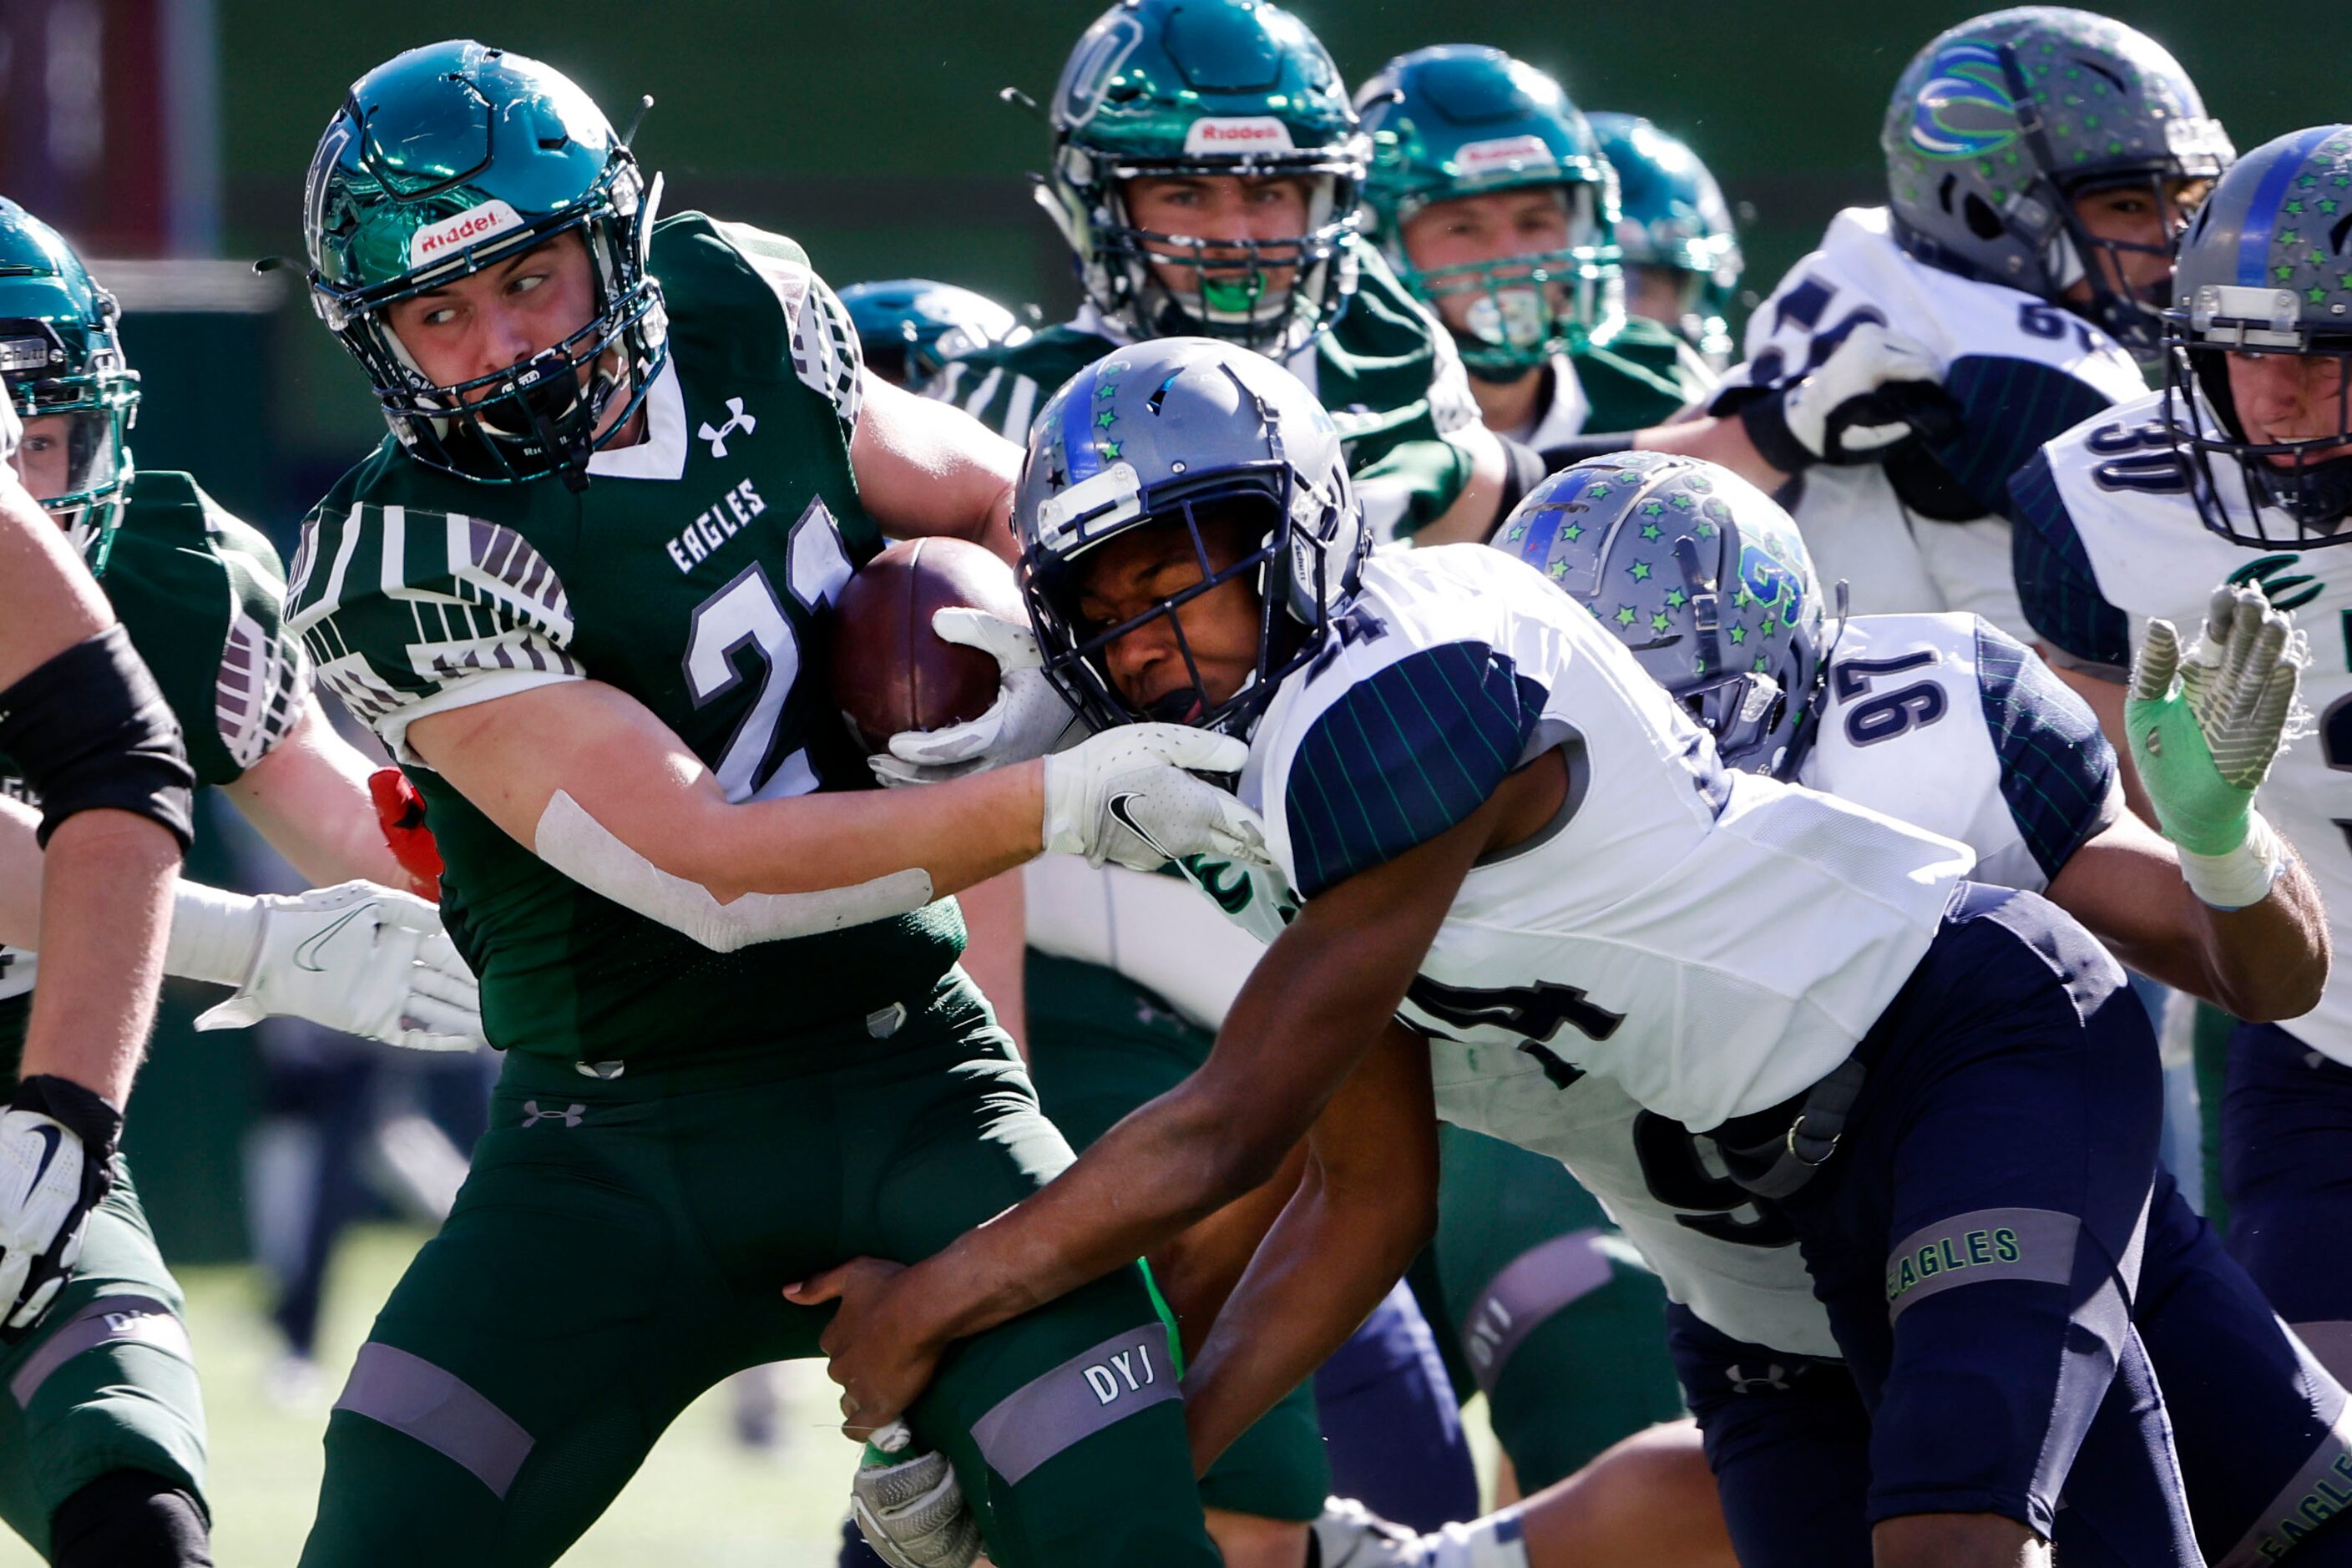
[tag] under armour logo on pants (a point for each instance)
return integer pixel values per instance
(569, 1115)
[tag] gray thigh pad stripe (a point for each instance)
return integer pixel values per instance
(2319, 1491)
(1095, 1388)
(1532, 1286)
(109, 1320)
(440, 1410)
(1974, 1249)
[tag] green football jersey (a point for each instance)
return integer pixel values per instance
(1643, 375)
(693, 572)
(202, 596)
(1386, 370)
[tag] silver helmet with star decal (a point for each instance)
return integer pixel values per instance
(1702, 576)
(1205, 436)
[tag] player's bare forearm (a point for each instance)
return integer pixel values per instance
(103, 920)
(309, 797)
(20, 874)
(2264, 962)
(1718, 439)
(926, 468)
(631, 774)
(1365, 1207)
(49, 601)
(1197, 1270)
(1327, 989)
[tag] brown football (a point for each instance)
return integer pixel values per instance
(891, 671)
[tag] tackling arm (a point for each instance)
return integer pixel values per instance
(309, 796)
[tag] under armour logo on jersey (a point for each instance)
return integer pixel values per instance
(1774, 1377)
(569, 1115)
(736, 420)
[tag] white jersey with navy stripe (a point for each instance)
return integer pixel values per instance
(1943, 721)
(1714, 942)
(2115, 538)
(2021, 369)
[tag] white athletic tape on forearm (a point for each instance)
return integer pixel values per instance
(583, 850)
(214, 935)
(2243, 877)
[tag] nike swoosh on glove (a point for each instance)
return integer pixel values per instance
(1029, 717)
(56, 1162)
(912, 1512)
(361, 959)
(1126, 796)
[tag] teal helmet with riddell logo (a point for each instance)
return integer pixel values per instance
(1702, 576)
(909, 327)
(2000, 125)
(1460, 120)
(2265, 268)
(61, 364)
(1193, 90)
(449, 159)
(1672, 220)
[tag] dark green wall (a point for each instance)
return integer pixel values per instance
(871, 132)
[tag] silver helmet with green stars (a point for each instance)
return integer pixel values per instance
(2266, 268)
(1197, 90)
(2001, 123)
(1702, 575)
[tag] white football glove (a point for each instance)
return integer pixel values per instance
(361, 959)
(1874, 390)
(912, 1513)
(1028, 718)
(56, 1143)
(1124, 797)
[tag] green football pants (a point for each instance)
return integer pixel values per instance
(1100, 1047)
(1563, 1328)
(104, 1382)
(622, 1243)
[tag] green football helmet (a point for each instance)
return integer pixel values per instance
(447, 160)
(1672, 219)
(1193, 88)
(1460, 120)
(61, 363)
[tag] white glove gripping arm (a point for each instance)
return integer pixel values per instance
(912, 1512)
(1028, 718)
(56, 1160)
(354, 957)
(1874, 391)
(1124, 796)
(583, 850)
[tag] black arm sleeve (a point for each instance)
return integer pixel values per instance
(1524, 468)
(1577, 449)
(88, 729)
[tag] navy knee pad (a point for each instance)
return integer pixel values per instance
(130, 1518)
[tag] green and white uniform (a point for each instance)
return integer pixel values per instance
(1386, 370)
(106, 1380)
(678, 1132)
(1639, 377)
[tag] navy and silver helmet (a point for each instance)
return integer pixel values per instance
(2001, 123)
(62, 364)
(1463, 119)
(449, 159)
(2266, 268)
(1184, 431)
(910, 327)
(1702, 576)
(1197, 89)
(1672, 220)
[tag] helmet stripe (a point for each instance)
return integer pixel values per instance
(2263, 211)
(1078, 425)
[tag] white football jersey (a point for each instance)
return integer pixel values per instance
(1714, 942)
(2113, 502)
(1944, 721)
(2021, 370)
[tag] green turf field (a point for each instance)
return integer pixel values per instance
(702, 1499)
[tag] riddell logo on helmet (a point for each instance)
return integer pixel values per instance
(1245, 133)
(468, 229)
(1507, 152)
